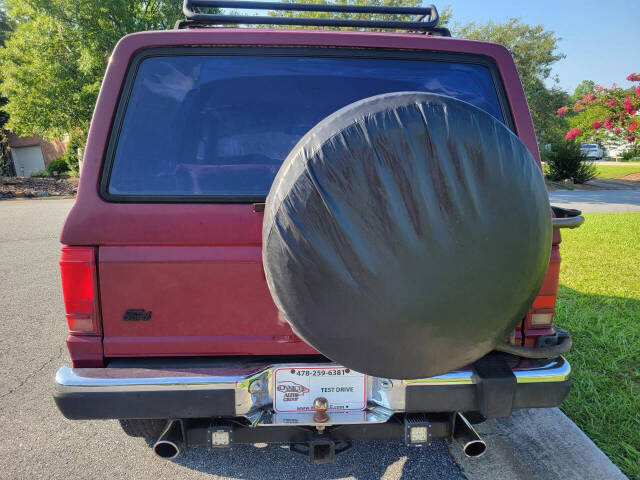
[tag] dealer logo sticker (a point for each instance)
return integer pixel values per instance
(292, 391)
(295, 388)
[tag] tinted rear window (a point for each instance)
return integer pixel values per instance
(212, 125)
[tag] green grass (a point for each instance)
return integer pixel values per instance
(599, 302)
(616, 171)
(607, 171)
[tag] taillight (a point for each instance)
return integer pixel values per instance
(539, 320)
(78, 270)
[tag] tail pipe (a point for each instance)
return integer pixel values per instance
(464, 433)
(169, 443)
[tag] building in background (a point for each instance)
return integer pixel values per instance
(32, 154)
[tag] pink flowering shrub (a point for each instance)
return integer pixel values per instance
(615, 108)
(571, 134)
(628, 106)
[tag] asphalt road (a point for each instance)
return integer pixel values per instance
(597, 201)
(38, 442)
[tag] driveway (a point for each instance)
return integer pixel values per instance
(39, 443)
(597, 201)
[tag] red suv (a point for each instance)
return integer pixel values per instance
(310, 237)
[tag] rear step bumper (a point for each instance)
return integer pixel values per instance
(493, 386)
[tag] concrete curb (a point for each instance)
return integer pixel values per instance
(614, 184)
(50, 197)
(536, 444)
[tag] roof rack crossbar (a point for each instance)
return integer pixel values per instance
(191, 9)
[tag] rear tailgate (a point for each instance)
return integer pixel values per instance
(189, 300)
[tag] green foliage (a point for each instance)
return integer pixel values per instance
(542, 100)
(70, 157)
(445, 14)
(54, 60)
(534, 51)
(40, 173)
(605, 115)
(48, 94)
(599, 303)
(565, 160)
(632, 154)
(584, 87)
(59, 165)
(4, 146)
(533, 48)
(4, 116)
(6, 166)
(5, 25)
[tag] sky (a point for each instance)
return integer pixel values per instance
(601, 39)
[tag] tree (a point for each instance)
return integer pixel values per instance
(534, 51)
(584, 87)
(445, 14)
(606, 114)
(5, 25)
(53, 62)
(542, 100)
(5, 166)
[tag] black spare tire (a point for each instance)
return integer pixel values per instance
(406, 235)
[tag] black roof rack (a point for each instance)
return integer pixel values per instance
(425, 20)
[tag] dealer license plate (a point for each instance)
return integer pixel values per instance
(295, 388)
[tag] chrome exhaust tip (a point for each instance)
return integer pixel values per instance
(474, 449)
(166, 449)
(472, 444)
(168, 443)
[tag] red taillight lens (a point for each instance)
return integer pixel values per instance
(78, 270)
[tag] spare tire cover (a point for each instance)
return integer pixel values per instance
(406, 235)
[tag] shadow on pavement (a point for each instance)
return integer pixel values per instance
(366, 460)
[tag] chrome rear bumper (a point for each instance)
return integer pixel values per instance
(235, 390)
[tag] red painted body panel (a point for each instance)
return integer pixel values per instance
(216, 298)
(199, 264)
(85, 351)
